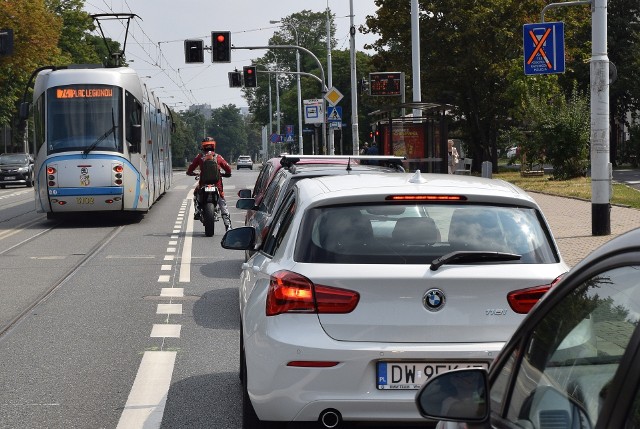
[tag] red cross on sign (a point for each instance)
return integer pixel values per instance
(539, 44)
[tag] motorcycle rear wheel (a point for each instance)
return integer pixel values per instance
(208, 218)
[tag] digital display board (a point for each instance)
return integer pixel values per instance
(84, 92)
(387, 83)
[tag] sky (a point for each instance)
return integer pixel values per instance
(155, 44)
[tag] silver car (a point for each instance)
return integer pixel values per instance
(244, 161)
(366, 286)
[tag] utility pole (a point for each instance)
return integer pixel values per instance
(329, 80)
(600, 165)
(354, 86)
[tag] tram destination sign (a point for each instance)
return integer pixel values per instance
(386, 83)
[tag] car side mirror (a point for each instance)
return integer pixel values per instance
(458, 396)
(244, 193)
(246, 203)
(242, 238)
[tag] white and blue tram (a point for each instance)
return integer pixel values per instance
(102, 141)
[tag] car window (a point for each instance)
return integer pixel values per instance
(573, 353)
(280, 225)
(271, 195)
(419, 233)
(261, 181)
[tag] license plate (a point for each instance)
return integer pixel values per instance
(412, 375)
(209, 189)
(9, 178)
(84, 200)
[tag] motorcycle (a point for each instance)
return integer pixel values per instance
(207, 201)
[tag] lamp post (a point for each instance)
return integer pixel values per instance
(295, 30)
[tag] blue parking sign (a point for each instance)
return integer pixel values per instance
(543, 48)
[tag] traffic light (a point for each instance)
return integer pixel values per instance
(221, 46)
(235, 79)
(193, 51)
(250, 77)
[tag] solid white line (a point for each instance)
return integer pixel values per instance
(185, 263)
(145, 406)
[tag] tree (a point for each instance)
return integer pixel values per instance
(228, 130)
(469, 49)
(35, 45)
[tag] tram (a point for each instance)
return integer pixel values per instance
(102, 141)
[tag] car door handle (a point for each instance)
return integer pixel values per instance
(246, 266)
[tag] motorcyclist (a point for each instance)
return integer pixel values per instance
(209, 145)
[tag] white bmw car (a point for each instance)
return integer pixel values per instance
(367, 286)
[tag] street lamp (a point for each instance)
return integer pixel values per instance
(295, 30)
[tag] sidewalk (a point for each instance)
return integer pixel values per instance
(570, 221)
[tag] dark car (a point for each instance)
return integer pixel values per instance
(574, 362)
(260, 208)
(16, 169)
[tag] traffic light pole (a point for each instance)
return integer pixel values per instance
(322, 78)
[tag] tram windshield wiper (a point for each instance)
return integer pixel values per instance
(473, 256)
(104, 136)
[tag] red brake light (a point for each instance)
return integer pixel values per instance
(426, 198)
(291, 292)
(51, 170)
(522, 301)
(118, 169)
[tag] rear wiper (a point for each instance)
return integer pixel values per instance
(473, 256)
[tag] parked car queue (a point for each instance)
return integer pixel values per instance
(367, 285)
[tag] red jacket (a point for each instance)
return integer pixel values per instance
(222, 163)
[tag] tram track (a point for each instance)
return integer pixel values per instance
(50, 290)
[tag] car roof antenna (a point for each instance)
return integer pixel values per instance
(417, 178)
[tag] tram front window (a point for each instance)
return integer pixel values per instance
(84, 118)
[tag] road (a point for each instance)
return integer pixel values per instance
(106, 321)
(87, 302)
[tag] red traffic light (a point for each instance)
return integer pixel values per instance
(220, 38)
(249, 71)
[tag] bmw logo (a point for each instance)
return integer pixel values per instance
(433, 300)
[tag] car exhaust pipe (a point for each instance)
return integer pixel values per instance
(330, 418)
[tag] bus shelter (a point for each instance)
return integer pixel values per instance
(421, 139)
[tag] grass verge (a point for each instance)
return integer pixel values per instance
(575, 188)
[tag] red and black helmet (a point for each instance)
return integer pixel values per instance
(208, 144)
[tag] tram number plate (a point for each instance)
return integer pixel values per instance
(84, 200)
(412, 375)
(9, 178)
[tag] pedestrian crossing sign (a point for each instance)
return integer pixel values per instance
(334, 114)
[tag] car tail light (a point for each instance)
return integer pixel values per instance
(291, 292)
(522, 301)
(426, 198)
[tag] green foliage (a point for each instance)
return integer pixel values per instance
(560, 133)
(227, 128)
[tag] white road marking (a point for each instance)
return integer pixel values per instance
(169, 309)
(171, 250)
(172, 292)
(185, 264)
(145, 406)
(169, 257)
(165, 330)
(164, 279)
(166, 267)
(173, 243)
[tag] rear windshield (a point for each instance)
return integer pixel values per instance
(418, 233)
